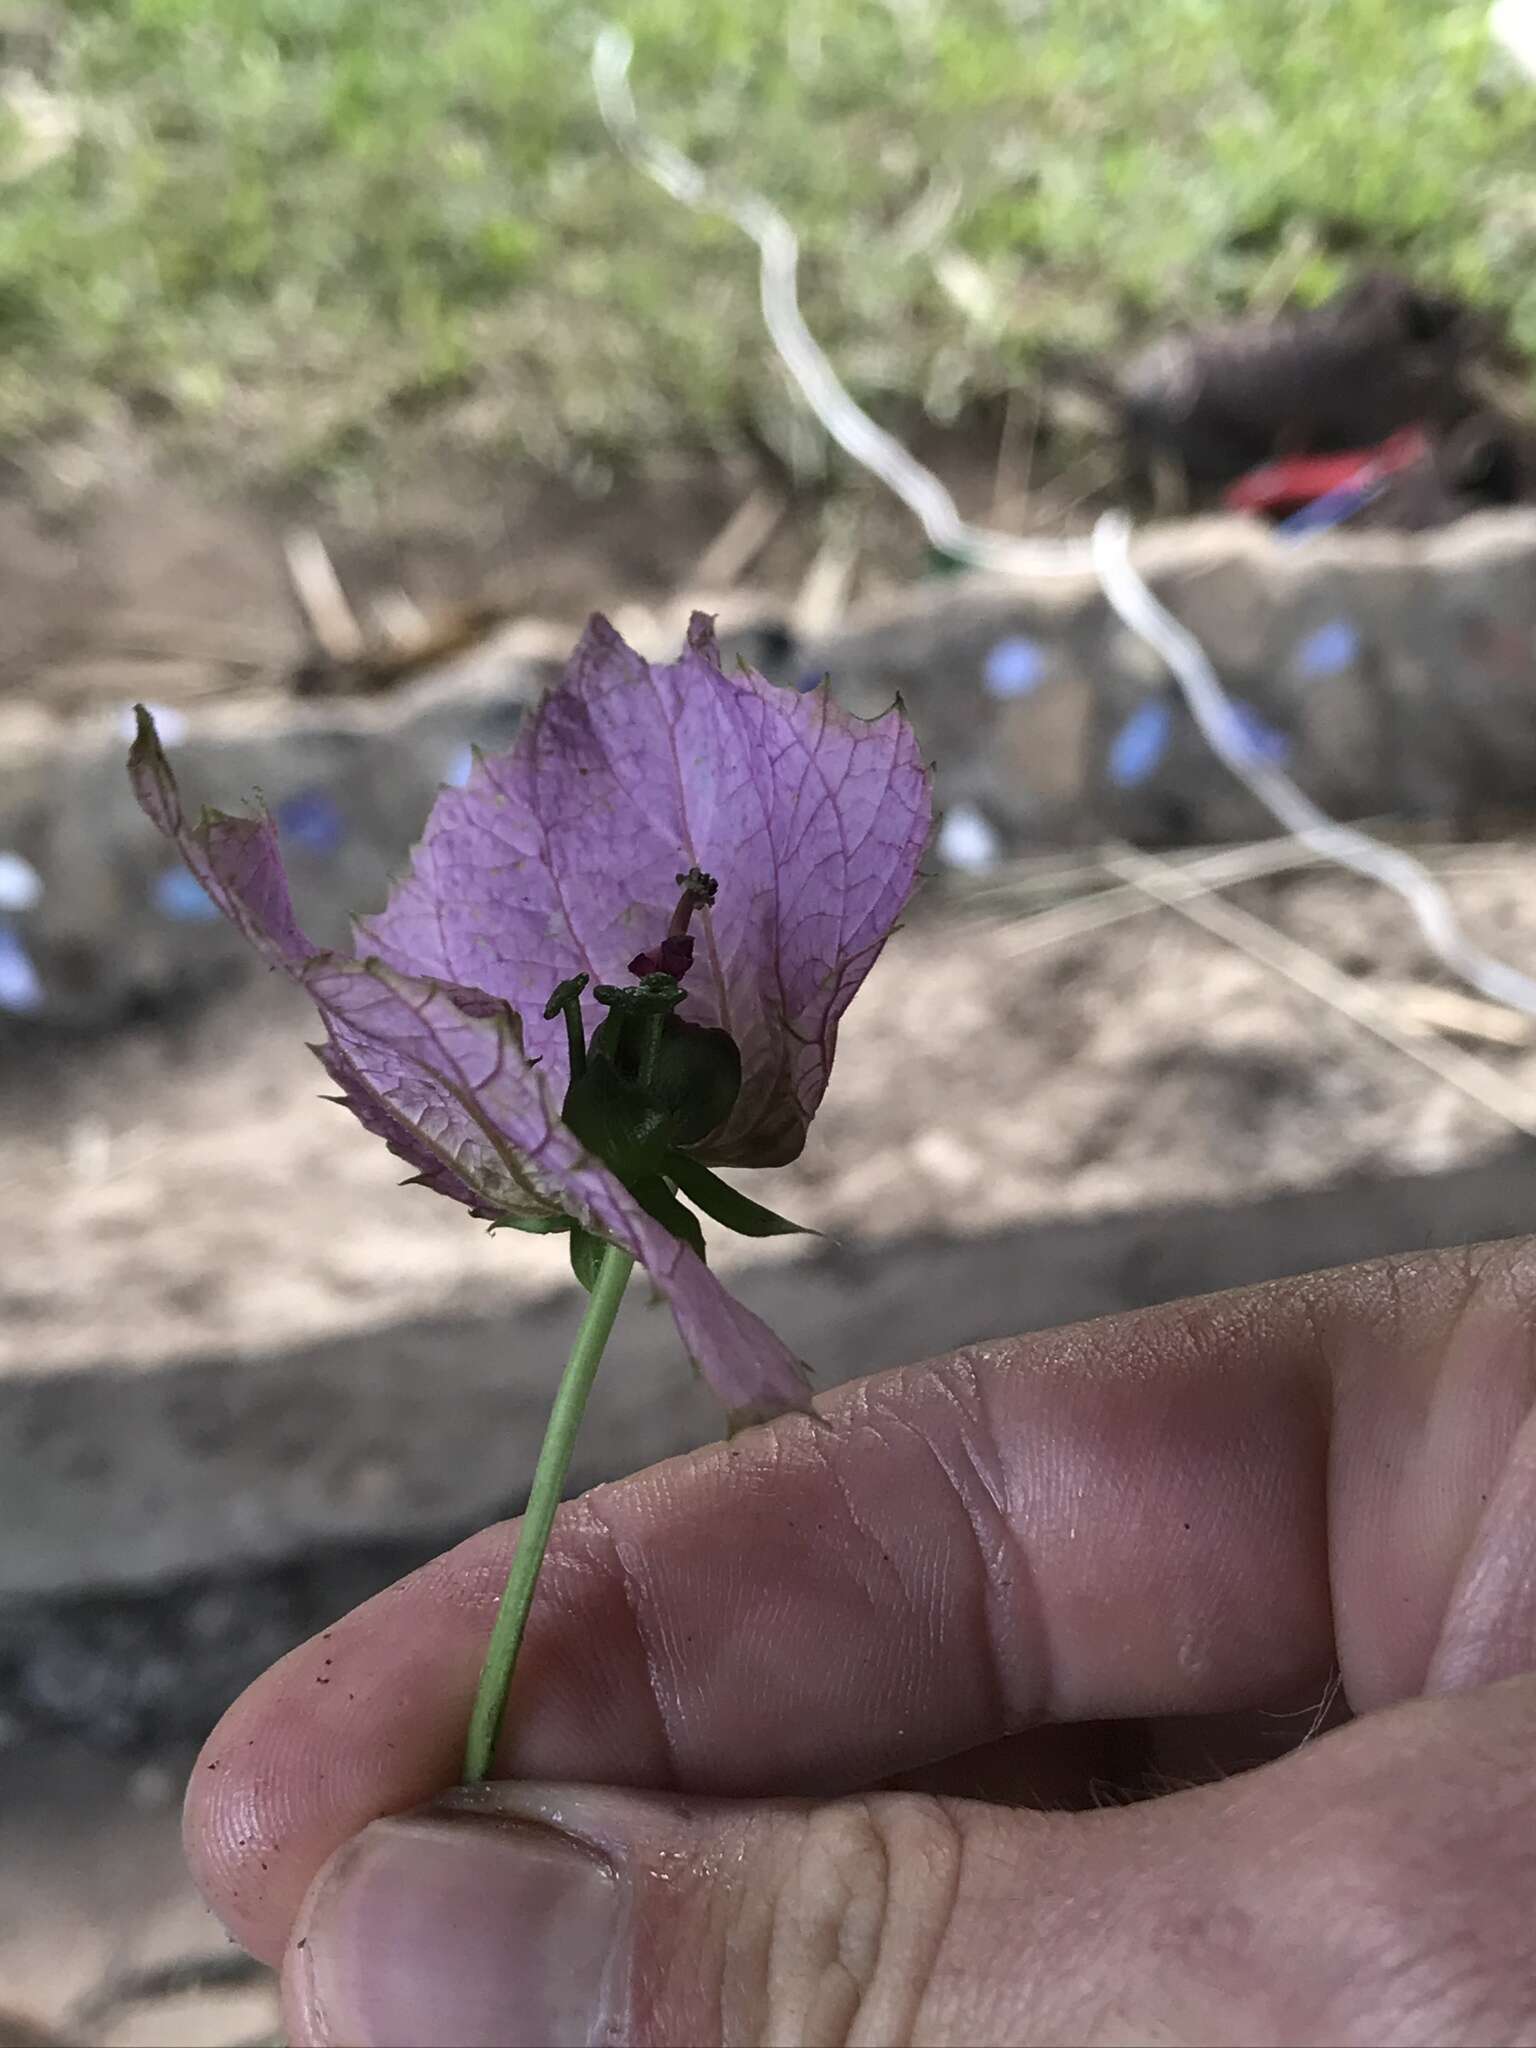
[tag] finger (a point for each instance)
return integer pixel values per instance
(1374, 1889)
(1129, 1518)
(1490, 1625)
(1083, 1766)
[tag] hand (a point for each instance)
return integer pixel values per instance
(1020, 1591)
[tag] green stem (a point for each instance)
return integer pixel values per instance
(539, 1515)
(575, 1042)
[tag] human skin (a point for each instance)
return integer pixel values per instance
(983, 1712)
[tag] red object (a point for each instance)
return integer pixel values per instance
(1301, 479)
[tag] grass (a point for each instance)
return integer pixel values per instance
(284, 226)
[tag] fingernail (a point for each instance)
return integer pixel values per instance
(461, 1929)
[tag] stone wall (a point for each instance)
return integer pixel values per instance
(1394, 674)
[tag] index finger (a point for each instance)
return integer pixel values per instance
(1192, 1509)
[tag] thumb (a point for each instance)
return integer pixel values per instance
(1372, 1886)
(518, 1914)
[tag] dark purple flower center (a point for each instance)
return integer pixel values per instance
(674, 956)
(682, 1079)
(648, 1085)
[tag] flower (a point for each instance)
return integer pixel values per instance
(470, 1032)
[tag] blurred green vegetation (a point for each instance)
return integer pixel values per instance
(283, 225)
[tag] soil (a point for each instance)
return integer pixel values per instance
(102, 1938)
(182, 1190)
(120, 577)
(177, 1193)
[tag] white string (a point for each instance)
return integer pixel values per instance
(848, 424)
(1106, 554)
(1213, 713)
(1311, 971)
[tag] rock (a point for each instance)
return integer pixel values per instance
(113, 932)
(1395, 673)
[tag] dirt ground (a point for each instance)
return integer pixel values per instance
(102, 1938)
(120, 577)
(179, 1192)
(185, 1191)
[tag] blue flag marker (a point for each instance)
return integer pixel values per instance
(21, 886)
(1332, 509)
(180, 896)
(968, 841)
(1256, 737)
(1331, 648)
(21, 986)
(312, 821)
(1014, 667)
(1137, 749)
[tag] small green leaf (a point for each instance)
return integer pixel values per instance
(725, 1204)
(612, 1117)
(536, 1226)
(586, 1256)
(658, 1200)
(696, 1078)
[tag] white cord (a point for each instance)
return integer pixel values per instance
(848, 424)
(1106, 554)
(1213, 713)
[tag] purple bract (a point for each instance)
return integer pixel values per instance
(563, 856)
